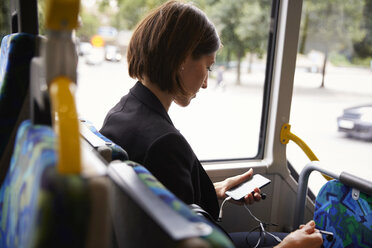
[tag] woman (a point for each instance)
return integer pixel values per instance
(170, 53)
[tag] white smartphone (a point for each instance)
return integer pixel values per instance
(257, 181)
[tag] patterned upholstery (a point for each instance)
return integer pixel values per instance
(38, 206)
(17, 51)
(4, 51)
(215, 239)
(63, 212)
(118, 153)
(350, 220)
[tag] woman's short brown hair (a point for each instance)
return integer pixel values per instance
(164, 39)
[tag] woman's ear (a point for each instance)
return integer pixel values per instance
(182, 66)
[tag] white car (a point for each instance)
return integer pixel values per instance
(96, 56)
(112, 53)
(356, 122)
(84, 48)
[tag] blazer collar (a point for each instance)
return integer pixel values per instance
(144, 95)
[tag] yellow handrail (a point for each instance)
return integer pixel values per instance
(66, 124)
(286, 135)
(61, 18)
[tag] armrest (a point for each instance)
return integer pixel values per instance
(105, 147)
(171, 222)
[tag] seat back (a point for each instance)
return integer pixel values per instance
(32, 193)
(51, 197)
(146, 214)
(17, 51)
(40, 207)
(19, 193)
(346, 212)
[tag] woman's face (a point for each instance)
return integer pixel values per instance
(193, 76)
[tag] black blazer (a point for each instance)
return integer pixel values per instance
(140, 124)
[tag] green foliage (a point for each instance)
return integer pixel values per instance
(243, 27)
(338, 59)
(254, 28)
(103, 5)
(41, 16)
(89, 25)
(365, 61)
(132, 11)
(4, 18)
(332, 25)
(363, 48)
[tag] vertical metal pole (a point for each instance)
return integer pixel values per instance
(28, 17)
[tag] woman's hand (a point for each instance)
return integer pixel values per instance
(228, 183)
(305, 237)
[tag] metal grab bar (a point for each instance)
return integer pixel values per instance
(286, 135)
(302, 190)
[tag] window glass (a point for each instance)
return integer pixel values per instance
(41, 6)
(223, 121)
(333, 74)
(4, 19)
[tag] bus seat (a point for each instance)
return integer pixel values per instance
(343, 206)
(40, 207)
(17, 51)
(146, 214)
(104, 146)
(345, 212)
(50, 198)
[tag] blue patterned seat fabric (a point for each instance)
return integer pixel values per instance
(350, 220)
(38, 206)
(216, 238)
(17, 51)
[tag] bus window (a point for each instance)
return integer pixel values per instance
(223, 121)
(333, 74)
(4, 18)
